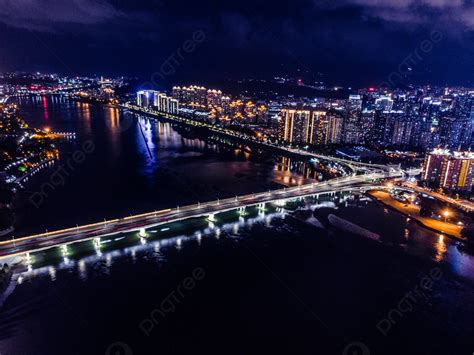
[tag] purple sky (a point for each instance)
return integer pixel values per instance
(360, 41)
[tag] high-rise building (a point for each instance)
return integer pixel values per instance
(449, 170)
(352, 131)
(214, 98)
(167, 104)
(367, 122)
(402, 130)
(315, 127)
(318, 128)
(147, 98)
(191, 96)
(293, 126)
(335, 122)
(384, 103)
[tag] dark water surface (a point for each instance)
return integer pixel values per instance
(263, 284)
(123, 164)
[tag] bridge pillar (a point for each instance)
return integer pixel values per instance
(142, 233)
(64, 249)
(280, 203)
(211, 217)
(241, 211)
(261, 206)
(28, 258)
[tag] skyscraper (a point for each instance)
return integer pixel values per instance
(294, 125)
(352, 129)
(335, 122)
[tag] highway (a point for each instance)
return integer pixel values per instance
(47, 240)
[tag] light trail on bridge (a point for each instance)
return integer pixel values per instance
(128, 224)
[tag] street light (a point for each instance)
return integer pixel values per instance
(446, 214)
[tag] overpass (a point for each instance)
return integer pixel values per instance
(128, 224)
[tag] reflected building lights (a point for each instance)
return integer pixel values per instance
(82, 269)
(157, 247)
(108, 260)
(441, 248)
(52, 273)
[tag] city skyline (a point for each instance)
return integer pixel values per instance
(251, 177)
(359, 43)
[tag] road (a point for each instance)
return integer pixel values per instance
(134, 223)
(413, 211)
(462, 204)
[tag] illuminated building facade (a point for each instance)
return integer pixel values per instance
(449, 170)
(147, 98)
(352, 130)
(157, 100)
(293, 126)
(167, 104)
(314, 127)
(214, 98)
(334, 134)
(191, 96)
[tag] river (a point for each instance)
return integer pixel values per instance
(263, 283)
(122, 171)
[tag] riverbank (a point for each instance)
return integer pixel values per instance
(341, 165)
(413, 212)
(5, 277)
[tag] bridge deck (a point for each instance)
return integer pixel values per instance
(127, 224)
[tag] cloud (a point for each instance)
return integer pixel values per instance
(454, 14)
(47, 15)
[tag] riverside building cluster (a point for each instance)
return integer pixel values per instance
(436, 123)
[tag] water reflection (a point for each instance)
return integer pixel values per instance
(102, 263)
(290, 172)
(441, 248)
(183, 159)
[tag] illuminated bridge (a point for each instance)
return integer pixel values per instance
(48, 240)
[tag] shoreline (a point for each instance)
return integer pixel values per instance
(414, 218)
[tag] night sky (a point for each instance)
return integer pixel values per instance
(357, 42)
